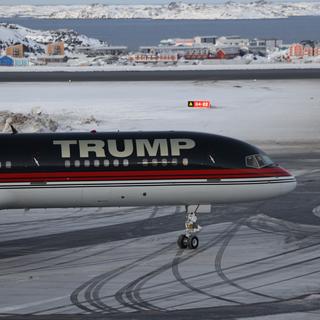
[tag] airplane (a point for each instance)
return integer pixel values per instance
(93, 169)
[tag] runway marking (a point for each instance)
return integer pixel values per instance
(32, 304)
(316, 211)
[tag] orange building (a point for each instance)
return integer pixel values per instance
(299, 50)
(16, 51)
(56, 48)
(296, 50)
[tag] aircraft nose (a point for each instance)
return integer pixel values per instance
(289, 180)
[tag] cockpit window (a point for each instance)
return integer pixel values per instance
(258, 161)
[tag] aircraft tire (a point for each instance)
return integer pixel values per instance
(193, 242)
(182, 241)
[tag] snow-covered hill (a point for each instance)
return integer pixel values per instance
(36, 40)
(174, 10)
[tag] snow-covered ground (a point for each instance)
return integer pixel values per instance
(200, 66)
(35, 41)
(275, 112)
(174, 10)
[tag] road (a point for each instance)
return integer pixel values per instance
(173, 75)
(258, 260)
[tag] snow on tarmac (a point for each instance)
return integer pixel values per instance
(277, 111)
(256, 259)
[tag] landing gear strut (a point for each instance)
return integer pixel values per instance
(188, 239)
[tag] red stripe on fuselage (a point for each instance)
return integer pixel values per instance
(143, 175)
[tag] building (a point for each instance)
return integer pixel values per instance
(199, 54)
(308, 50)
(227, 53)
(232, 41)
(21, 62)
(6, 61)
(55, 49)
(16, 51)
(273, 43)
(296, 50)
(102, 51)
(184, 42)
(316, 49)
(153, 58)
(177, 42)
(304, 49)
(212, 40)
(51, 59)
(187, 52)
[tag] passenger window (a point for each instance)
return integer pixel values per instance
(77, 163)
(116, 163)
(67, 164)
(174, 161)
(145, 162)
(164, 162)
(154, 162)
(125, 162)
(106, 163)
(185, 161)
(87, 163)
(96, 163)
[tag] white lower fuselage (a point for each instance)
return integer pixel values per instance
(65, 194)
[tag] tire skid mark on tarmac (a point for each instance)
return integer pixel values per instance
(132, 291)
(89, 286)
(279, 281)
(93, 287)
(153, 213)
(177, 261)
(63, 263)
(37, 262)
(239, 278)
(279, 255)
(222, 275)
(72, 216)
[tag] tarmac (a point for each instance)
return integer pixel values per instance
(255, 260)
(172, 75)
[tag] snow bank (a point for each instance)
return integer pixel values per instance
(33, 121)
(274, 112)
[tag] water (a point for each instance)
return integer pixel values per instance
(138, 32)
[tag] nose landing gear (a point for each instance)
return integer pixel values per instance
(188, 239)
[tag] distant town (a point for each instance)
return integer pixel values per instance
(197, 50)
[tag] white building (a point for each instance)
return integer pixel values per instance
(207, 40)
(232, 41)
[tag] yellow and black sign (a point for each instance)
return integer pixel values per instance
(191, 104)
